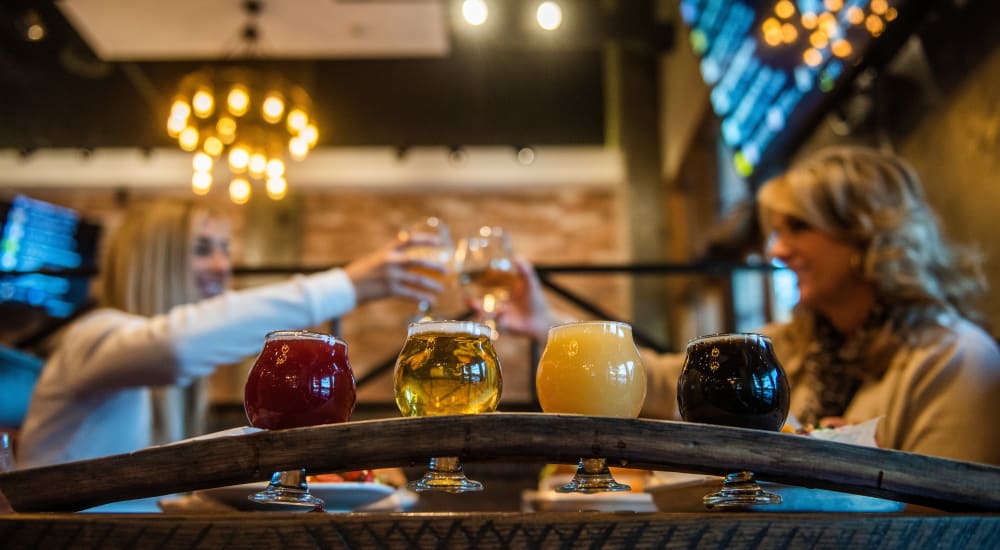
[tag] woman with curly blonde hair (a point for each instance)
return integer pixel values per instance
(885, 326)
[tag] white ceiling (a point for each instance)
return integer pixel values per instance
(159, 30)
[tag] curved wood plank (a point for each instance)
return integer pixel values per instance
(727, 531)
(651, 444)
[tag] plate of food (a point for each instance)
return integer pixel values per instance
(360, 490)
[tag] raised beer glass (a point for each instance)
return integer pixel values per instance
(486, 270)
(443, 253)
(734, 380)
(299, 379)
(447, 367)
(594, 368)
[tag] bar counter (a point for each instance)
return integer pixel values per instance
(959, 501)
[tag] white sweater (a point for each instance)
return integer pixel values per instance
(93, 396)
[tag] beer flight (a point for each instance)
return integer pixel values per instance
(450, 367)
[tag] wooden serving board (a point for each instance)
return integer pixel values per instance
(507, 437)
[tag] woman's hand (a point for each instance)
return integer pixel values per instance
(527, 312)
(389, 271)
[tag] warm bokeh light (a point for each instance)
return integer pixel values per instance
(175, 125)
(188, 139)
(277, 188)
(874, 25)
(213, 146)
(201, 182)
(239, 158)
(297, 120)
(257, 164)
(772, 31)
(833, 5)
(812, 57)
(841, 48)
(789, 33)
(784, 9)
(239, 191)
(238, 100)
(310, 134)
(818, 39)
(201, 162)
(180, 109)
(298, 147)
(855, 15)
(202, 103)
(272, 108)
(809, 21)
(275, 168)
(891, 14)
(879, 6)
(549, 16)
(475, 12)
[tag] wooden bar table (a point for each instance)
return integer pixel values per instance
(965, 497)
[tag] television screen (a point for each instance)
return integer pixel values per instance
(774, 66)
(39, 238)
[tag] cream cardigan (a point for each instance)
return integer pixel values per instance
(939, 398)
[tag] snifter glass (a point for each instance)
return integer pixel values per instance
(447, 367)
(734, 380)
(591, 367)
(299, 379)
(486, 270)
(443, 253)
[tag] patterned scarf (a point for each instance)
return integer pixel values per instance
(834, 365)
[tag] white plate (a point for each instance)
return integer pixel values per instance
(342, 496)
(551, 501)
(678, 492)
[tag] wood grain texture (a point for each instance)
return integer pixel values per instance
(506, 437)
(498, 530)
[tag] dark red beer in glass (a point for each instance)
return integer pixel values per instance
(300, 379)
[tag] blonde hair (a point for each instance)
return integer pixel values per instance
(146, 267)
(875, 201)
(146, 270)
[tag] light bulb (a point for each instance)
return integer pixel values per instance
(201, 182)
(298, 147)
(239, 191)
(275, 168)
(188, 139)
(201, 162)
(297, 120)
(213, 146)
(272, 108)
(238, 100)
(239, 157)
(277, 188)
(203, 103)
(257, 164)
(310, 134)
(549, 16)
(475, 12)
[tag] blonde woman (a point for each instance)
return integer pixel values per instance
(166, 320)
(885, 325)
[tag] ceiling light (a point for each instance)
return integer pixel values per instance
(549, 16)
(475, 12)
(248, 117)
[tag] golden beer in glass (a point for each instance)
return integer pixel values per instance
(447, 367)
(594, 368)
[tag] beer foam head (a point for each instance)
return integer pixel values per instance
(450, 327)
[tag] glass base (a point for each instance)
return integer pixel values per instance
(740, 490)
(593, 476)
(288, 492)
(445, 474)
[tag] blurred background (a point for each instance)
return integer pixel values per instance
(620, 142)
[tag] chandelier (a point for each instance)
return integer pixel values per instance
(249, 119)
